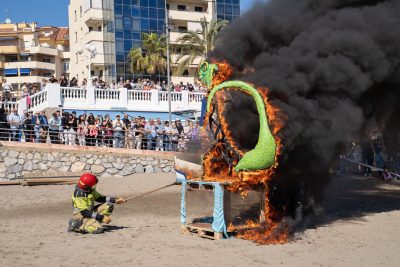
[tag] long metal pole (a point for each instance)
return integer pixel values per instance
(168, 65)
(90, 70)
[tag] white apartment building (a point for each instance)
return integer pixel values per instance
(185, 16)
(91, 24)
(30, 53)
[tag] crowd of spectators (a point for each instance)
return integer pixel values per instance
(138, 84)
(9, 93)
(90, 130)
(372, 153)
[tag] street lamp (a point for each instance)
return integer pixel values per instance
(168, 66)
(92, 53)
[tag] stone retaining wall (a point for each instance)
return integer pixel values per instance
(17, 159)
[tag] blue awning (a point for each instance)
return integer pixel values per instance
(11, 72)
(8, 38)
(24, 71)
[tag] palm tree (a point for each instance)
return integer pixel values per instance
(151, 56)
(197, 44)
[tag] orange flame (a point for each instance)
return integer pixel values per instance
(225, 71)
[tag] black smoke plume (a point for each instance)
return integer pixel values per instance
(333, 68)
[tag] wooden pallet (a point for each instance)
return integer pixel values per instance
(202, 230)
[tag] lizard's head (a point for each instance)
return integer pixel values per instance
(206, 73)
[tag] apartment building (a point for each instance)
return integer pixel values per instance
(91, 24)
(116, 26)
(29, 53)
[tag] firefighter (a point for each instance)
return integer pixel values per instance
(88, 218)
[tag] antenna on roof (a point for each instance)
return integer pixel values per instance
(8, 20)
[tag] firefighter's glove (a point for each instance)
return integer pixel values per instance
(106, 219)
(120, 200)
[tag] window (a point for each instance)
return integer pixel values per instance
(236, 11)
(76, 37)
(127, 23)
(80, 11)
(185, 73)
(136, 25)
(119, 34)
(136, 35)
(118, 24)
(153, 25)
(127, 11)
(120, 45)
(181, 7)
(75, 14)
(135, 12)
(182, 29)
(66, 66)
(27, 44)
(118, 9)
(90, 29)
(198, 9)
(145, 24)
(153, 13)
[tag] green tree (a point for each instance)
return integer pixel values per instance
(151, 56)
(197, 44)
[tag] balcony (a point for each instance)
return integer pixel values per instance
(66, 55)
(93, 15)
(9, 49)
(188, 15)
(195, 63)
(30, 65)
(99, 59)
(97, 36)
(174, 36)
(43, 50)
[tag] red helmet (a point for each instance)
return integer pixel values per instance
(87, 181)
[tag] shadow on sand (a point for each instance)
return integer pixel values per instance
(352, 197)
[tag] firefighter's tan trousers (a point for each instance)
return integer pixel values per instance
(90, 225)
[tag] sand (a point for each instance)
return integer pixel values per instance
(358, 226)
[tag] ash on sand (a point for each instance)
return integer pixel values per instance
(359, 227)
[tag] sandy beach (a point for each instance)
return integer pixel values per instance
(359, 225)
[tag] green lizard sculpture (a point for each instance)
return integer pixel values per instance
(263, 155)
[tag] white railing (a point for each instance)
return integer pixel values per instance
(38, 101)
(76, 98)
(73, 93)
(134, 95)
(7, 105)
(175, 96)
(195, 97)
(107, 94)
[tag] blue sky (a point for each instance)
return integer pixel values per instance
(50, 12)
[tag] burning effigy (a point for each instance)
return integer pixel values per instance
(229, 170)
(325, 73)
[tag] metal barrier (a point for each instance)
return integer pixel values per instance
(119, 139)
